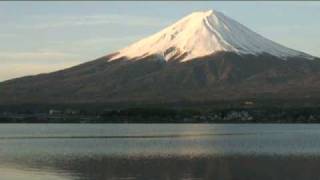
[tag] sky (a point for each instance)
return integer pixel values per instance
(40, 37)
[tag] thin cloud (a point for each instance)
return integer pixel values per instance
(48, 22)
(47, 57)
(7, 35)
(114, 43)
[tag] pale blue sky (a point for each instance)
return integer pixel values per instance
(45, 36)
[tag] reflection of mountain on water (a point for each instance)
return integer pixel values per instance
(180, 167)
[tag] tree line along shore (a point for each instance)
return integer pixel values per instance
(247, 113)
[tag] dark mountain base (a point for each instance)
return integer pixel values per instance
(150, 80)
(222, 88)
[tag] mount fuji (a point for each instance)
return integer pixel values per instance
(205, 33)
(204, 57)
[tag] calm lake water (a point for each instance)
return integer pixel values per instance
(159, 151)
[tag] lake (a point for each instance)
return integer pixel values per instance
(159, 151)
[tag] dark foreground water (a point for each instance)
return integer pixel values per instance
(159, 151)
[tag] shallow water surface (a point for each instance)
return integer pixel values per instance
(159, 151)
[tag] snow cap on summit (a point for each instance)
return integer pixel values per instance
(204, 33)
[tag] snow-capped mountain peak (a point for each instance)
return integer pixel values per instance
(205, 33)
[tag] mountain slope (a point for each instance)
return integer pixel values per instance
(218, 77)
(202, 58)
